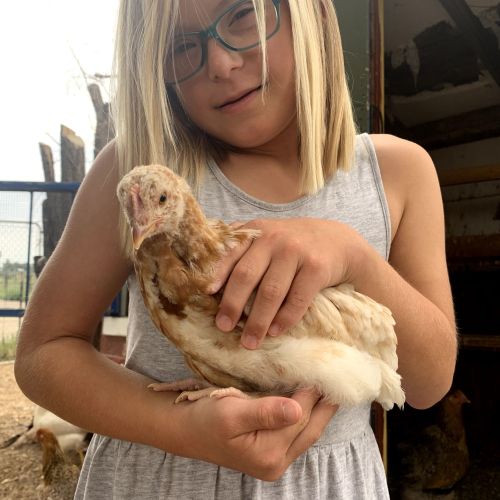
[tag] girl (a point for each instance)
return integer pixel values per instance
(247, 100)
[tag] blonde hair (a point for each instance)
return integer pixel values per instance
(151, 126)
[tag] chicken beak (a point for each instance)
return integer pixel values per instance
(138, 216)
(139, 234)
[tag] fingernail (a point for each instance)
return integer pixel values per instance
(214, 287)
(289, 413)
(249, 341)
(224, 323)
(274, 330)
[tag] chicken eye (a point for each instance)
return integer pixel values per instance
(163, 199)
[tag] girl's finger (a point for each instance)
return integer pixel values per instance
(265, 413)
(242, 281)
(319, 417)
(307, 399)
(271, 292)
(300, 296)
(225, 266)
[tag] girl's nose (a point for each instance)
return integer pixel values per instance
(221, 61)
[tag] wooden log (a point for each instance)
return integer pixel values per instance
(72, 156)
(72, 169)
(53, 218)
(104, 131)
(56, 207)
(47, 162)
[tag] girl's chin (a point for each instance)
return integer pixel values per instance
(244, 142)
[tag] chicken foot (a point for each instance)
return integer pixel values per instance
(194, 389)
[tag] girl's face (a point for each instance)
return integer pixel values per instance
(212, 97)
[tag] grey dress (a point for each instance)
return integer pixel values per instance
(344, 464)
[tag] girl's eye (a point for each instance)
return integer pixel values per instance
(242, 17)
(163, 199)
(183, 46)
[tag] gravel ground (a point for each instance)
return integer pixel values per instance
(20, 468)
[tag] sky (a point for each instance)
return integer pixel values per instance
(42, 45)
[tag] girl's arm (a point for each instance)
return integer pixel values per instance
(296, 258)
(57, 367)
(416, 286)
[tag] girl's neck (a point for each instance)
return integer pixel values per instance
(264, 178)
(270, 173)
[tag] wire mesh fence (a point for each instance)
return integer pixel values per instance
(21, 237)
(23, 242)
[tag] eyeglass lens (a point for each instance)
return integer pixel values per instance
(237, 29)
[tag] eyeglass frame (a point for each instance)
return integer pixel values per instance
(211, 32)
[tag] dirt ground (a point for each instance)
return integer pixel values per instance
(20, 468)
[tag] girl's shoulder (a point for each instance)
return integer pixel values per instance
(106, 162)
(408, 174)
(401, 159)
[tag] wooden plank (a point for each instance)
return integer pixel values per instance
(468, 127)
(467, 175)
(473, 246)
(471, 341)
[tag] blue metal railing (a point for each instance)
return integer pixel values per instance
(115, 308)
(41, 187)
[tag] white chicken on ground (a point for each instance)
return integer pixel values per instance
(69, 437)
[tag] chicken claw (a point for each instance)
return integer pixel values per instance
(189, 384)
(211, 392)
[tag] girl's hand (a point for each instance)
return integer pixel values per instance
(287, 266)
(260, 437)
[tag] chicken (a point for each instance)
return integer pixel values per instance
(60, 475)
(345, 345)
(438, 457)
(69, 436)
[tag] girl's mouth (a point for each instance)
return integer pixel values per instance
(240, 102)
